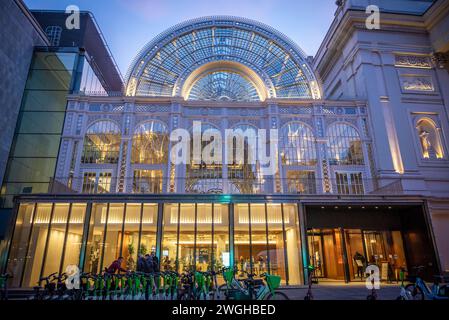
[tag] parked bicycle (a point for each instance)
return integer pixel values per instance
(419, 290)
(4, 286)
(311, 271)
(250, 288)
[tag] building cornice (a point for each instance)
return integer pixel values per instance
(436, 13)
(213, 104)
(343, 27)
(37, 27)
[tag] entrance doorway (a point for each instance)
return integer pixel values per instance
(362, 247)
(326, 254)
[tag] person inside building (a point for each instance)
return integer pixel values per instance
(140, 263)
(148, 264)
(155, 262)
(359, 260)
(116, 267)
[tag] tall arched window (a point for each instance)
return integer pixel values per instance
(344, 145)
(430, 140)
(202, 176)
(243, 175)
(102, 143)
(150, 143)
(297, 145)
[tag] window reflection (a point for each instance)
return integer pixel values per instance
(19, 243)
(170, 237)
(102, 143)
(297, 145)
(73, 241)
(150, 143)
(149, 228)
(95, 241)
(114, 237)
(38, 240)
(344, 145)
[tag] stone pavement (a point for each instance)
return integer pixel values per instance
(343, 291)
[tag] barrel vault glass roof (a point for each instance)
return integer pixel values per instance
(164, 64)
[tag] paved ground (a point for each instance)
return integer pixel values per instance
(322, 291)
(342, 291)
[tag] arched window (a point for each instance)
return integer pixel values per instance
(54, 35)
(344, 146)
(243, 175)
(202, 176)
(150, 143)
(431, 146)
(297, 145)
(102, 143)
(224, 86)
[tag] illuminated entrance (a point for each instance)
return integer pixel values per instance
(328, 248)
(343, 240)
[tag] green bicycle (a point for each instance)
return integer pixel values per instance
(253, 289)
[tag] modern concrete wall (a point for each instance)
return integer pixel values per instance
(19, 34)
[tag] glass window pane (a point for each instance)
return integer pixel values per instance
(31, 170)
(49, 80)
(293, 242)
(149, 228)
(242, 247)
(74, 237)
(276, 241)
(95, 240)
(221, 248)
(44, 100)
(113, 234)
(56, 240)
(260, 247)
(150, 143)
(147, 181)
(169, 237)
(42, 145)
(54, 60)
(186, 237)
(203, 253)
(19, 242)
(131, 235)
(37, 245)
(41, 122)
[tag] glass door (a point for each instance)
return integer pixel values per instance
(316, 252)
(326, 253)
(356, 254)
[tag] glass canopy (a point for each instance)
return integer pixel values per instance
(163, 66)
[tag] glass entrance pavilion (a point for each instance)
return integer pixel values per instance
(275, 234)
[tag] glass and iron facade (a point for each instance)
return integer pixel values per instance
(116, 191)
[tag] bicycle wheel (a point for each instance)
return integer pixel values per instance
(414, 292)
(277, 296)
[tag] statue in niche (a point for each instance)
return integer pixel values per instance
(428, 150)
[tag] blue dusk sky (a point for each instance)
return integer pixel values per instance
(129, 24)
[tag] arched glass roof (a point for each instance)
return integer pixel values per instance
(223, 86)
(165, 63)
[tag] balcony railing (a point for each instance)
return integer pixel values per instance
(223, 186)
